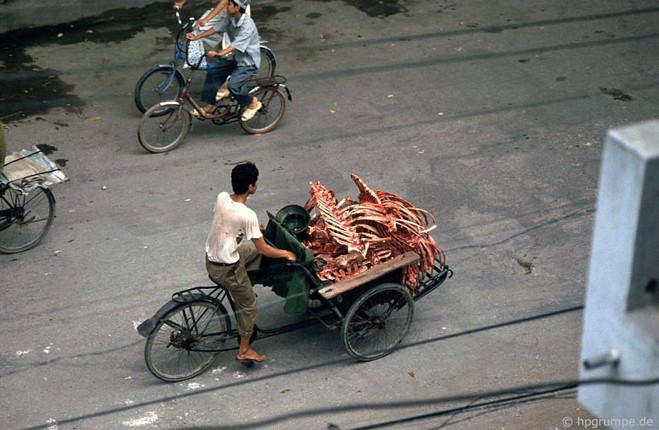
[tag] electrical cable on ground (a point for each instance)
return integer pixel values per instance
(309, 368)
(546, 388)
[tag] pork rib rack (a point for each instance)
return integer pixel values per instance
(348, 237)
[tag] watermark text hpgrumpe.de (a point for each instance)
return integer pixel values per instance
(604, 423)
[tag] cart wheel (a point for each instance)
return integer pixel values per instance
(187, 340)
(377, 321)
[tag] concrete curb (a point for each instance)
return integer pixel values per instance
(24, 14)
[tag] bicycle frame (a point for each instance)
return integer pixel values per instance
(217, 295)
(6, 215)
(224, 113)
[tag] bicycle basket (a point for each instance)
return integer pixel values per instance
(28, 169)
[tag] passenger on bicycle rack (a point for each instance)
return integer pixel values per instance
(212, 18)
(229, 258)
(242, 64)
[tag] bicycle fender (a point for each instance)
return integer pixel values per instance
(170, 103)
(147, 326)
(288, 92)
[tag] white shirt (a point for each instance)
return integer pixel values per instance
(219, 23)
(232, 220)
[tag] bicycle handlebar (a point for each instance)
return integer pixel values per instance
(196, 66)
(191, 20)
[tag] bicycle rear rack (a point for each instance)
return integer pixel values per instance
(214, 293)
(270, 81)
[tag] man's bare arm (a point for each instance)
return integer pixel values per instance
(222, 4)
(272, 252)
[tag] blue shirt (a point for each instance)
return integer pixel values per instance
(245, 38)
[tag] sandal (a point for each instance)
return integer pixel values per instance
(221, 93)
(249, 112)
(201, 115)
(259, 358)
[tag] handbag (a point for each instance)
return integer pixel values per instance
(195, 52)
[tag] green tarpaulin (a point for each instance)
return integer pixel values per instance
(286, 281)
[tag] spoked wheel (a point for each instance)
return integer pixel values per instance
(268, 63)
(160, 84)
(187, 340)
(377, 322)
(270, 115)
(163, 127)
(25, 218)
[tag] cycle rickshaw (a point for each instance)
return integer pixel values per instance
(372, 310)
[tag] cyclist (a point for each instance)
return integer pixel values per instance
(241, 65)
(229, 258)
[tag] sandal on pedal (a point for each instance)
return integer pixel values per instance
(249, 113)
(258, 358)
(201, 115)
(221, 93)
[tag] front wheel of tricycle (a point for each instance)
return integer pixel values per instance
(163, 127)
(377, 321)
(271, 113)
(186, 340)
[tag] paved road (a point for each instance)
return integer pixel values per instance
(490, 114)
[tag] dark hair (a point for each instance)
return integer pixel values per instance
(242, 176)
(242, 9)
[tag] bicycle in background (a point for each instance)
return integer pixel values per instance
(27, 206)
(166, 81)
(166, 124)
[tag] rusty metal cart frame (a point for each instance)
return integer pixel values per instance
(373, 311)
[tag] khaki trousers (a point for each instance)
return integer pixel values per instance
(236, 280)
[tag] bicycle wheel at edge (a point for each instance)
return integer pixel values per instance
(270, 115)
(187, 340)
(162, 132)
(158, 85)
(25, 218)
(377, 321)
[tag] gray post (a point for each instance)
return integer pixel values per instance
(621, 321)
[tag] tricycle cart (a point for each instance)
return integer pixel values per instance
(27, 206)
(372, 310)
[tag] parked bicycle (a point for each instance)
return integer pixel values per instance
(166, 81)
(27, 206)
(165, 125)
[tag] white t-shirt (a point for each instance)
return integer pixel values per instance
(231, 221)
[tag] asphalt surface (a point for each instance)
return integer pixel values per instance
(489, 114)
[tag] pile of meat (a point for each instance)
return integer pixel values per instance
(348, 237)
